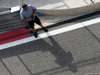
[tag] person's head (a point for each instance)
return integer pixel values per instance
(24, 6)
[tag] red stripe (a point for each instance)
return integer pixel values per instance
(14, 35)
(11, 33)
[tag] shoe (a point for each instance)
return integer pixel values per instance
(35, 34)
(45, 29)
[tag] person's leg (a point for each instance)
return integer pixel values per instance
(31, 24)
(41, 26)
(34, 30)
(35, 33)
(37, 20)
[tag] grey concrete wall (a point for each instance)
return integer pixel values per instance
(4, 9)
(9, 21)
(73, 11)
(70, 12)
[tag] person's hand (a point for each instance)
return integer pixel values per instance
(30, 18)
(33, 14)
(27, 19)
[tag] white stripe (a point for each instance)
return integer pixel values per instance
(51, 33)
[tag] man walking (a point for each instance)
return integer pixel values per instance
(28, 13)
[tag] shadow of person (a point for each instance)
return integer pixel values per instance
(63, 58)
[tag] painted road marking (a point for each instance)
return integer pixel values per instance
(51, 33)
(14, 35)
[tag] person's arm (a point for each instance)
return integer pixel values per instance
(34, 9)
(27, 19)
(34, 12)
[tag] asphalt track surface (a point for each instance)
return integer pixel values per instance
(76, 52)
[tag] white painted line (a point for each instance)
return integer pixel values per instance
(51, 33)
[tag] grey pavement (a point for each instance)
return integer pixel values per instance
(72, 53)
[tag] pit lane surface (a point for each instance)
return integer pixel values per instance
(75, 52)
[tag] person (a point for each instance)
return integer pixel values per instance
(28, 13)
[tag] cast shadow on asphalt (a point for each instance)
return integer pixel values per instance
(63, 58)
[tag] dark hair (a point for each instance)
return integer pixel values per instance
(24, 5)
